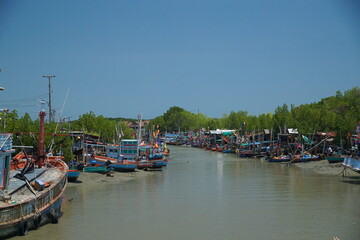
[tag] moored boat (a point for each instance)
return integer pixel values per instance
(228, 151)
(143, 163)
(283, 158)
(97, 169)
(335, 159)
(73, 174)
(304, 158)
(246, 153)
(353, 163)
(31, 189)
(116, 164)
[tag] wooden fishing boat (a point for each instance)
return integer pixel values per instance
(284, 158)
(228, 151)
(73, 175)
(31, 190)
(335, 159)
(116, 164)
(166, 152)
(304, 158)
(97, 169)
(159, 163)
(353, 163)
(246, 153)
(144, 164)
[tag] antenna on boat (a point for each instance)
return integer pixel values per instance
(57, 125)
(49, 77)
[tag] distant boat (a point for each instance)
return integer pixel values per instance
(228, 151)
(284, 158)
(246, 153)
(304, 158)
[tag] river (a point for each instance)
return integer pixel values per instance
(204, 195)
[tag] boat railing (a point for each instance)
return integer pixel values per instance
(5, 141)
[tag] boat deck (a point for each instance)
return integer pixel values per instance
(18, 189)
(15, 184)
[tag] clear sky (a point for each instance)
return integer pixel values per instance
(120, 58)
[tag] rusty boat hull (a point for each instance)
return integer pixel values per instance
(29, 207)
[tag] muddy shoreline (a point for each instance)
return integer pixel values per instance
(325, 168)
(113, 177)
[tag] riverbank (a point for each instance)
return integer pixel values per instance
(325, 168)
(87, 178)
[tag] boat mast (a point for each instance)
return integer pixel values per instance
(41, 151)
(49, 77)
(139, 134)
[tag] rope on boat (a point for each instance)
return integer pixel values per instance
(21, 211)
(343, 172)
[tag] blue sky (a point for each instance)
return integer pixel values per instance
(119, 58)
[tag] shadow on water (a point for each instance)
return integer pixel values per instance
(154, 169)
(77, 182)
(352, 180)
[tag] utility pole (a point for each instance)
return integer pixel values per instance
(49, 77)
(1, 88)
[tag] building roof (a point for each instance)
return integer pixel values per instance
(135, 124)
(326, 134)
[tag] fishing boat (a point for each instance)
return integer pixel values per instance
(31, 188)
(282, 158)
(353, 162)
(110, 155)
(153, 154)
(73, 174)
(228, 150)
(143, 163)
(304, 158)
(246, 153)
(97, 169)
(167, 152)
(118, 164)
(157, 159)
(335, 159)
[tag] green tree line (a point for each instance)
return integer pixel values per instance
(339, 113)
(57, 138)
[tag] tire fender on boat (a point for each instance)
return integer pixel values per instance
(54, 217)
(23, 227)
(37, 220)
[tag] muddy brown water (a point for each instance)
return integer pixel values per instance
(204, 195)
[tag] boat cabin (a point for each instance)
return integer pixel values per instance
(113, 151)
(129, 149)
(5, 157)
